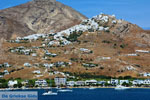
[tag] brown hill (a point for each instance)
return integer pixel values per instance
(102, 45)
(37, 16)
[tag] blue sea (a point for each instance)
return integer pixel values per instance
(98, 94)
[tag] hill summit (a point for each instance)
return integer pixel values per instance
(37, 16)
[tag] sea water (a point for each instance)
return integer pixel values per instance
(97, 94)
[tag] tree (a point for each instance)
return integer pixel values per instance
(15, 86)
(125, 84)
(4, 85)
(19, 85)
(31, 83)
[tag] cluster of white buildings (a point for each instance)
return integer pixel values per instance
(49, 65)
(5, 65)
(140, 82)
(59, 38)
(145, 74)
(112, 82)
(5, 72)
(57, 64)
(89, 65)
(137, 53)
(11, 83)
(21, 50)
(62, 81)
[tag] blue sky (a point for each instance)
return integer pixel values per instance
(135, 11)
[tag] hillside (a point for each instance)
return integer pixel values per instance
(102, 45)
(37, 16)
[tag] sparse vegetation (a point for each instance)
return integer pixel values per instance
(123, 46)
(73, 37)
(106, 41)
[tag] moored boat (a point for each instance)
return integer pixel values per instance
(49, 93)
(92, 88)
(120, 87)
(65, 90)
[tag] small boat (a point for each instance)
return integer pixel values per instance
(120, 87)
(58, 88)
(24, 88)
(92, 88)
(49, 93)
(8, 89)
(65, 90)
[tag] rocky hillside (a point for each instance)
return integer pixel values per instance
(37, 16)
(102, 45)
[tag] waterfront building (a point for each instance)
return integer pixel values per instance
(60, 81)
(41, 83)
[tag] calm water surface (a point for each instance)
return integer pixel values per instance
(98, 94)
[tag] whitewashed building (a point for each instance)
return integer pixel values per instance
(37, 72)
(114, 81)
(70, 83)
(147, 82)
(136, 82)
(80, 83)
(41, 83)
(142, 51)
(60, 81)
(91, 82)
(11, 83)
(124, 81)
(27, 64)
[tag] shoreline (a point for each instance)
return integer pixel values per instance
(7, 89)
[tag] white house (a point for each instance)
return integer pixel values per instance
(132, 54)
(101, 82)
(146, 74)
(91, 82)
(105, 58)
(1, 76)
(80, 83)
(25, 82)
(6, 72)
(38, 76)
(147, 82)
(34, 54)
(114, 81)
(70, 83)
(123, 81)
(135, 82)
(84, 50)
(27, 64)
(142, 51)
(48, 65)
(130, 68)
(42, 83)
(6, 65)
(37, 72)
(11, 83)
